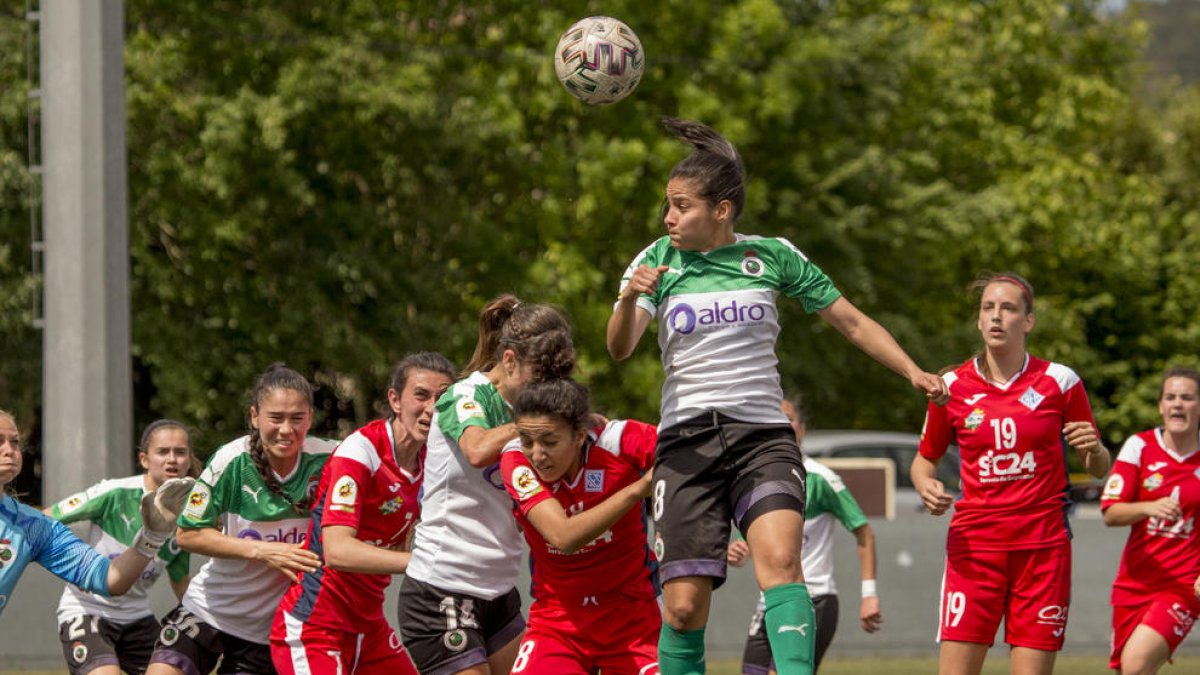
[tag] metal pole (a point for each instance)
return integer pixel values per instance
(87, 412)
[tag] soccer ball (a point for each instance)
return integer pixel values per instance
(599, 60)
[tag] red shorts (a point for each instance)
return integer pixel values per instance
(1030, 589)
(617, 640)
(302, 648)
(1171, 616)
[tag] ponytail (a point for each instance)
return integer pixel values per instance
(714, 165)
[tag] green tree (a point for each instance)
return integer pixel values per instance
(333, 186)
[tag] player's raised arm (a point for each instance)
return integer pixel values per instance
(466, 552)
(628, 323)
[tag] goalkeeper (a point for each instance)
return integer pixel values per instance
(27, 535)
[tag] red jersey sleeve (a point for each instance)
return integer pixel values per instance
(521, 480)
(638, 441)
(937, 433)
(1121, 485)
(1078, 409)
(348, 481)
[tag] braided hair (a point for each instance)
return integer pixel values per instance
(276, 376)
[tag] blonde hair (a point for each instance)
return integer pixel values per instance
(7, 487)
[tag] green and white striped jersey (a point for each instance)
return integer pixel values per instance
(467, 539)
(112, 509)
(718, 323)
(239, 596)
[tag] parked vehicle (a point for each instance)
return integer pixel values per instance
(898, 446)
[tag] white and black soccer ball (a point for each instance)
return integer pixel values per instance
(599, 60)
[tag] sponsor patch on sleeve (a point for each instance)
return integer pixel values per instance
(197, 502)
(468, 409)
(72, 503)
(1112, 489)
(525, 483)
(345, 495)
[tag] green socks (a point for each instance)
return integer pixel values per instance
(791, 629)
(682, 653)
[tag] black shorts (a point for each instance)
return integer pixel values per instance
(711, 469)
(445, 632)
(193, 646)
(757, 659)
(89, 642)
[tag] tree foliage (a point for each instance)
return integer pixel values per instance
(335, 185)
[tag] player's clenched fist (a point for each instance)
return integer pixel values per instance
(644, 280)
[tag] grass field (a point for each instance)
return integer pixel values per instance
(1066, 665)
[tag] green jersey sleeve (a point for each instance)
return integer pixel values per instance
(801, 279)
(653, 255)
(180, 562)
(831, 496)
(468, 404)
(211, 495)
(87, 505)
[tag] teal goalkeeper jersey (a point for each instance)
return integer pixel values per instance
(112, 509)
(718, 323)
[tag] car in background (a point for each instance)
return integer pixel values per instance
(898, 446)
(901, 447)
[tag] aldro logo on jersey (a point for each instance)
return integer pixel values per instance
(685, 319)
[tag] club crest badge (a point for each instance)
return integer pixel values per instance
(1031, 399)
(752, 265)
(392, 505)
(1152, 482)
(974, 419)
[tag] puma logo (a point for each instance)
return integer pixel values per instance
(801, 629)
(973, 399)
(252, 493)
(797, 475)
(128, 520)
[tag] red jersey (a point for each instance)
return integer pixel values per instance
(1014, 468)
(1160, 555)
(362, 487)
(617, 564)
